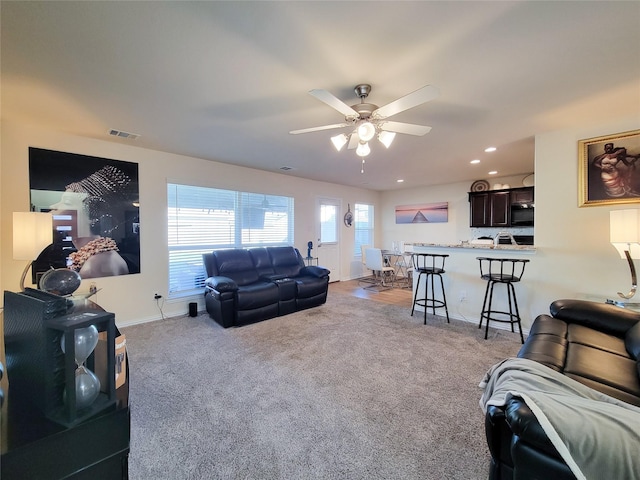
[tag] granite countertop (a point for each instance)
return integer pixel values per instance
(528, 248)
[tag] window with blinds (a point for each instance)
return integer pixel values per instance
(202, 219)
(363, 227)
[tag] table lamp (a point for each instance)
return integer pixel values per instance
(625, 237)
(32, 232)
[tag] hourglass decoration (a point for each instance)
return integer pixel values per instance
(52, 357)
(87, 384)
(81, 392)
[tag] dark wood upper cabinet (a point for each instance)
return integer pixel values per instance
(493, 208)
(500, 209)
(522, 196)
(480, 209)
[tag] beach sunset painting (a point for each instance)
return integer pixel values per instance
(423, 213)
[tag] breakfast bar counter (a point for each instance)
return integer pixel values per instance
(476, 246)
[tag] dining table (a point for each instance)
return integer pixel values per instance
(398, 260)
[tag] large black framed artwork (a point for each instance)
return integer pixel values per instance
(95, 206)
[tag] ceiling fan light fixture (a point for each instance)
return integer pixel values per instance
(368, 120)
(339, 141)
(386, 138)
(363, 149)
(366, 131)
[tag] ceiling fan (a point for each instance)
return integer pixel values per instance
(370, 120)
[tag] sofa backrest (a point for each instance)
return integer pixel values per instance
(236, 264)
(286, 260)
(261, 261)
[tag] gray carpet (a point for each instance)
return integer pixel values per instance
(353, 389)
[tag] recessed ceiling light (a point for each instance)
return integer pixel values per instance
(475, 161)
(490, 149)
(493, 172)
(400, 180)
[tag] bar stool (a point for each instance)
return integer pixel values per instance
(430, 265)
(506, 271)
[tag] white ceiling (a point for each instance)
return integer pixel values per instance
(227, 81)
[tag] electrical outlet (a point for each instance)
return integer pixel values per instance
(463, 296)
(157, 296)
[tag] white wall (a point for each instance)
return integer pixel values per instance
(574, 258)
(130, 297)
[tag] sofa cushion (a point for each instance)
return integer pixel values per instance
(550, 350)
(236, 264)
(632, 342)
(262, 261)
(256, 295)
(602, 367)
(596, 339)
(549, 325)
(547, 342)
(311, 286)
(285, 261)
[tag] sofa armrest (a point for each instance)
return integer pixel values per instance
(313, 271)
(603, 317)
(221, 284)
(525, 425)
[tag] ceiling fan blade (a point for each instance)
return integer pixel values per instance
(333, 102)
(420, 96)
(354, 141)
(406, 128)
(317, 129)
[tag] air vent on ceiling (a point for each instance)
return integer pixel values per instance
(121, 134)
(285, 168)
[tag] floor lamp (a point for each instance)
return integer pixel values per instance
(32, 232)
(625, 237)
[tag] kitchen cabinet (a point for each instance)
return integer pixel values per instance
(493, 208)
(522, 196)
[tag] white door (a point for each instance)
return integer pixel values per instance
(328, 240)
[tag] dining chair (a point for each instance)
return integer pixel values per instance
(368, 279)
(381, 272)
(407, 251)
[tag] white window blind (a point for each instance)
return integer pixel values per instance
(202, 219)
(363, 227)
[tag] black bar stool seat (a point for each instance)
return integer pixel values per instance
(506, 271)
(429, 265)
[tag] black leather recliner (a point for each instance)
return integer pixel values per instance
(250, 285)
(596, 344)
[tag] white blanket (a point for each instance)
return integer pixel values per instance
(597, 436)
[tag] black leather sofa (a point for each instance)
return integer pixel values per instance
(596, 344)
(250, 285)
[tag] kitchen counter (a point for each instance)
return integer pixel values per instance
(512, 248)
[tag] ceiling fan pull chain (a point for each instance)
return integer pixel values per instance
(362, 168)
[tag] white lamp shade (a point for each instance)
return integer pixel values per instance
(339, 141)
(386, 138)
(32, 232)
(363, 150)
(366, 131)
(624, 231)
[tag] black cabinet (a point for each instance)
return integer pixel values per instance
(522, 196)
(494, 208)
(490, 209)
(480, 210)
(33, 444)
